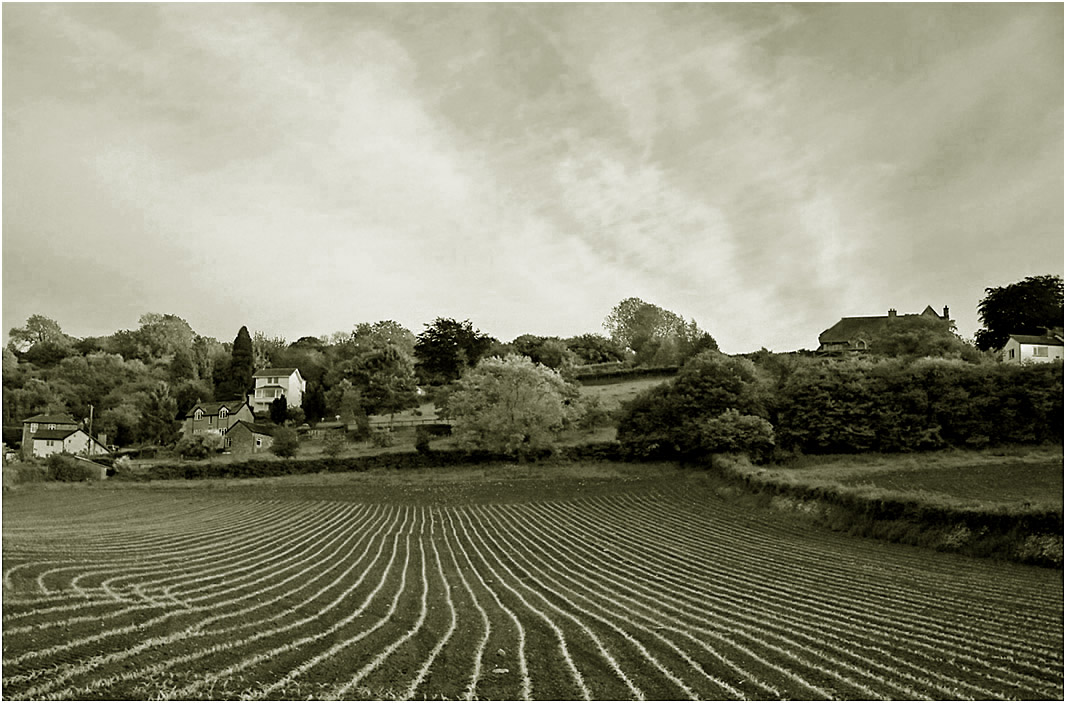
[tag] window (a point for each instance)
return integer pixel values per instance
(1039, 351)
(258, 441)
(199, 415)
(229, 442)
(33, 427)
(52, 425)
(50, 442)
(1010, 353)
(222, 414)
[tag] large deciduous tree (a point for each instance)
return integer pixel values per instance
(446, 348)
(1026, 307)
(655, 335)
(511, 405)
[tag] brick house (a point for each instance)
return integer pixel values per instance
(215, 417)
(853, 334)
(274, 383)
(245, 437)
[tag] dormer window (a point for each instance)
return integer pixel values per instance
(222, 414)
(52, 426)
(199, 415)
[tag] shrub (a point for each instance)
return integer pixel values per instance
(334, 444)
(422, 437)
(198, 446)
(286, 442)
(64, 467)
(382, 438)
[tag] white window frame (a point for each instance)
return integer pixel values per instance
(258, 442)
(33, 427)
(199, 414)
(222, 413)
(1040, 351)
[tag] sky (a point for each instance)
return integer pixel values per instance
(763, 169)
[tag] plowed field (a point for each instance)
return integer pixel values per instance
(656, 591)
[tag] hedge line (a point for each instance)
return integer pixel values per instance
(1027, 535)
(262, 468)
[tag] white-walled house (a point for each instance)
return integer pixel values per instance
(1029, 349)
(51, 434)
(275, 383)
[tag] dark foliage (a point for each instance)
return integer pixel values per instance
(447, 347)
(1026, 307)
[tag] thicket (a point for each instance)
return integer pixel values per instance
(820, 406)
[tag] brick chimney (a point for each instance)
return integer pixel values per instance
(945, 312)
(891, 312)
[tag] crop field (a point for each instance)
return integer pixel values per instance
(657, 590)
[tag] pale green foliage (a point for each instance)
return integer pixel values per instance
(511, 405)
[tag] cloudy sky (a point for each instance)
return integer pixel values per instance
(763, 169)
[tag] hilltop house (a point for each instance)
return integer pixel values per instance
(51, 434)
(277, 383)
(215, 417)
(853, 334)
(248, 437)
(1029, 348)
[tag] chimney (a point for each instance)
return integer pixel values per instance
(945, 312)
(891, 312)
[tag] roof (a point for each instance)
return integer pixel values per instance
(63, 418)
(1042, 339)
(254, 427)
(850, 328)
(274, 372)
(54, 434)
(213, 408)
(274, 385)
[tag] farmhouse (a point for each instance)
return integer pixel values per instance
(245, 437)
(853, 334)
(215, 417)
(51, 434)
(274, 383)
(1033, 349)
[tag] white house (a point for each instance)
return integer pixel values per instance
(74, 441)
(275, 383)
(1028, 348)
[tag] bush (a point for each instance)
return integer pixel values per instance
(198, 446)
(334, 444)
(422, 437)
(64, 467)
(286, 442)
(382, 438)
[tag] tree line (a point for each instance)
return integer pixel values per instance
(135, 384)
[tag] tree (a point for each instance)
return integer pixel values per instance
(656, 336)
(446, 348)
(732, 432)
(386, 378)
(236, 381)
(267, 350)
(286, 442)
(511, 405)
(38, 330)
(550, 351)
(1026, 307)
(158, 416)
(594, 349)
(279, 410)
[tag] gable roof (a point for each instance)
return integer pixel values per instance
(1041, 339)
(254, 427)
(212, 408)
(275, 372)
(59, 419)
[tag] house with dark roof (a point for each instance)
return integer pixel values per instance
(273, 383)
(215, 417)
(54, 433)
(248, 437)
(853, 334)
(1033, 348)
